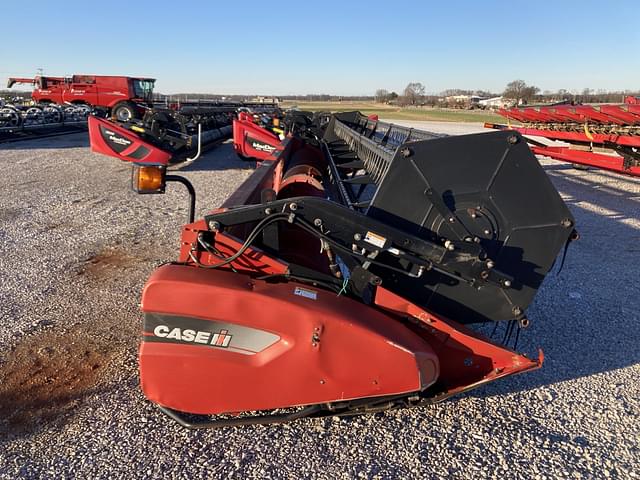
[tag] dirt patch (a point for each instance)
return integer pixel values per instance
(8, 214)
(110, 261)
(46, 376)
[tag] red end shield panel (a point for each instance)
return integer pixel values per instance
(112, 140)
(253, 141)
(218, 342)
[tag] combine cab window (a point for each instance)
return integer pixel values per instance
(143, 89)
(88, 79)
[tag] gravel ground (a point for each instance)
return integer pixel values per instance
(442, 127)
(76, 246)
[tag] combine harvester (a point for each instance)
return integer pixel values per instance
(122, 97)
(343, 275)
(61, 105)
(604, 136)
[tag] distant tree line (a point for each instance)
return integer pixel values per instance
(517, 91)
(521, 93)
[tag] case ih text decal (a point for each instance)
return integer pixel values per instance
(220, 339)
(232, 337)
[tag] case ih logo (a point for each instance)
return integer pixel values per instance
(219, 339)
(180, 330)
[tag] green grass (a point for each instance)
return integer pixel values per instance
(393, 112)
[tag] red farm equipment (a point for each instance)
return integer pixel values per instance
(184, 130)
(122, 96)
(257, 135)
(344, 275)
(603, 136)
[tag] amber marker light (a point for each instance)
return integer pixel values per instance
(148, 179)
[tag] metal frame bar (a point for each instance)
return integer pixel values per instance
(614, 163)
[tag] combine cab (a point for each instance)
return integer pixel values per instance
(344, 276)
(603, 136)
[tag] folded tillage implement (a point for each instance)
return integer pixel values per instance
(340, 278)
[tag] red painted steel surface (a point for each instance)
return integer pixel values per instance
(110, 139)
(251, 140)
(467, 359)
(359, 352)
(300, 185)
(622, 112)
(622, 119)
(614, 114)
(599, 138)
(608, 162)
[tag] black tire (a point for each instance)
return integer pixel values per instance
(124, 112)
